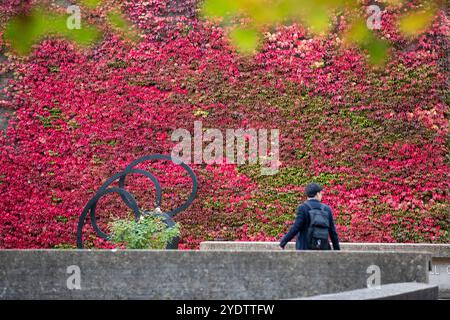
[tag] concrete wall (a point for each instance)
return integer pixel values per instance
(439, 275)
(167, 274)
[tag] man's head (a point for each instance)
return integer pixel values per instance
(314, 190)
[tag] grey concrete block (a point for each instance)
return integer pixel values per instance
(167, 274)
(440, 269)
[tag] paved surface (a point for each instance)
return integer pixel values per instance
(395, 291)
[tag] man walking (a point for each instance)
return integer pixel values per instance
(313, 223)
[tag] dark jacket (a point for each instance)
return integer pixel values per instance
(301, 225)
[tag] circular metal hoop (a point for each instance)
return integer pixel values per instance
(188, 169)
(130, 201)
(93, 203)
(127, 201)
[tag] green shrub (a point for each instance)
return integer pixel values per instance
(150, 232)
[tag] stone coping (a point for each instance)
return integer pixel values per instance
(436, 250)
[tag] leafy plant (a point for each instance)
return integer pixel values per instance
(149, 232)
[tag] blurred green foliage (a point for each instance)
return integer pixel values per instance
(27, 28)
(91, 3)
(23, 31)
(413, 23)
(316, 15)
(119, 23)
(245, 40)
(245, 18)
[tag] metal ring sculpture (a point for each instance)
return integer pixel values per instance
(129, 200)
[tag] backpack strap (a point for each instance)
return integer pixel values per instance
(310, 218)
(308, 205)
(322, 207)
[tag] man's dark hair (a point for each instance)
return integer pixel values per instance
(312, 189)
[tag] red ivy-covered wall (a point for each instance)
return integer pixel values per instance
(376, 138)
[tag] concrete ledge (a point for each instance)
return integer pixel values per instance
(168, 274)
(395, 291)
(440, 270)
(436, 250)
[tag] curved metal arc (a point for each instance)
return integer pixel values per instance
(93, 202)
(120, 176)
(177, 161)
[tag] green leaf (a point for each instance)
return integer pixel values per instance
(377, 49)
(318, 20)
(357, 33)
(413, 23)
(246, 40)
(118, 21)
(219, 8)
(23, 31)
(92, 4)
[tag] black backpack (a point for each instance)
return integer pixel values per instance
(319, 225)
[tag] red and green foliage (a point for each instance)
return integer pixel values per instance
(376, 138)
